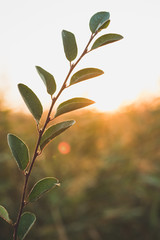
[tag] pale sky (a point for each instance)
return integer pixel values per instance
(31, 35)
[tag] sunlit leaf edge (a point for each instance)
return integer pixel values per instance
(105, 25)
(70, 46)
(30, 226)
(22, 143)
(49, 81)
(45, 140)
(82, 74)
(30, 198)
(102, 41)
(36, 102)
(73, 104)
(5, 215)
(98, 20)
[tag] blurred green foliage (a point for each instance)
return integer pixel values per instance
(110, 176)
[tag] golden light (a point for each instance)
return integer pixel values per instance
(128, 72)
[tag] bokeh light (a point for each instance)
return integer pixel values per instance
(64, 148)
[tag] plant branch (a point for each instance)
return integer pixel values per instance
(41, 131)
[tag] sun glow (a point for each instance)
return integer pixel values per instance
(128, 72)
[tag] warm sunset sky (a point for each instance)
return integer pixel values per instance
(31, 35)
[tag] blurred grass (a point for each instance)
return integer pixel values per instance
(110, 179)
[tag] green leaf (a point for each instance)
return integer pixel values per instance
(99, 21)
(72, 104)
(19, 151)
(105, 25)
(31, 101)
(106, 39)
(85, 74)
(54, 131)
(70, 45)
(26, 222)
(4, 214)
(48, 80)
(41, 187)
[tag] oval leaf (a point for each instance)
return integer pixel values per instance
(70, 45)
(31, 101)
(72, 104)
(48, 80)
(4, 214)
(19, 151)
(26, 222)
(85, 74)
(98, 21)
(41, 187)
(106, 39)
(54, 131)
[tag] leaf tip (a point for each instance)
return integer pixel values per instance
(73, 122)
(37, 68)
(63, 32)
(58, 184)
(19, 85)
(8, 135)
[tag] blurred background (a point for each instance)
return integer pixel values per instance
(109, 168)
(108, 163)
